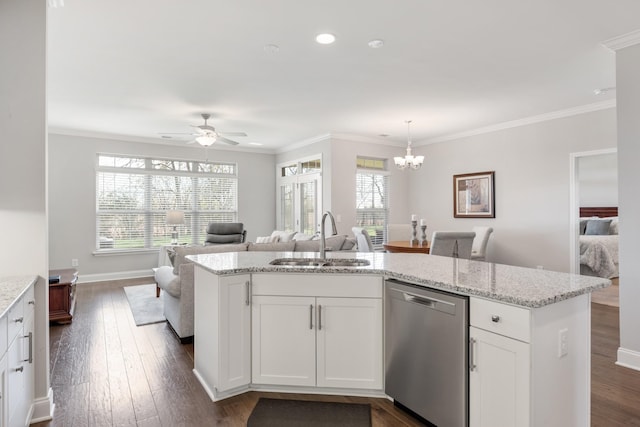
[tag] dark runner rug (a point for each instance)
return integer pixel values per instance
(289, 413)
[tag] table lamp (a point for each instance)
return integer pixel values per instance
(174, 218)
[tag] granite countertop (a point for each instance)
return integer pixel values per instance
(526, 287)
(12, 288)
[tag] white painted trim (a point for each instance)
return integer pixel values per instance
(628, 358)
(620, 42)
(574, 204)
(43, 408)
(588, 108)
(101, 277)
(304, 143)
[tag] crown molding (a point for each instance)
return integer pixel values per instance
(156, 141)
(303, 143)
(620, 42)
(588, 108)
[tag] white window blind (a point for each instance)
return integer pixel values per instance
(372, 203)
(134, 194)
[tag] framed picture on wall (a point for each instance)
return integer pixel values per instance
(473, 195)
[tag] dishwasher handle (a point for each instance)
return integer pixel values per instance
(437, 304)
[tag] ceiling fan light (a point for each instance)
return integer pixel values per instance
(206, 140)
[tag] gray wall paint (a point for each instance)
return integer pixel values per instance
(72, 197)
(531, 165)
(598, 180)
(628, 100)
(23, 150)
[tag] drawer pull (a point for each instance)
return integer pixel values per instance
(495, 318)
(32, 302)
(18, 319)
(20, 369)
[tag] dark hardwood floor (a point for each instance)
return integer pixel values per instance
(105, 371)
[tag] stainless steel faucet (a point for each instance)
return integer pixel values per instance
(323, 239)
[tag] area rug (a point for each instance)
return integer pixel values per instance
(144, 305)
(289, 413)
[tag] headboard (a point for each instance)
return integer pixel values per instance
(601, 212)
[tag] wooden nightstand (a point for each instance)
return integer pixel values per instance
(62, 295)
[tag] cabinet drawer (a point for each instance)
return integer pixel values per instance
(503, 319)
(15, 318)
(29, 302)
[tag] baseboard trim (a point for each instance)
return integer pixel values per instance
(102, 277)
(628, 358)
(43, 408)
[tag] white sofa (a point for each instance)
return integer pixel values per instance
(177, 281)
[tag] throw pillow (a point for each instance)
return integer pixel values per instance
(583, 225)
(284, 236)
(613, 228)
(171, 254)
(302, 236)
(268, 239)
(597, 227)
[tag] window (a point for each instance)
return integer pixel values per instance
(299, 195)
(133, 195)
(372, 198)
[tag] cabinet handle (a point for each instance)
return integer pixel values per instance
(18, 319)
(30, 336)
(32, 302)
(20, 369)
(319, 317)
(495, 318)
(247, 300)
(311, 316)
(472, 355)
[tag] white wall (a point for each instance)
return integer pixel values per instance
(628, 106)
(598, 180)
(72, 198)
(23, 150)
(531, 165)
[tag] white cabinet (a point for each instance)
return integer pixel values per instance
(222, 332)
(498, 380)
(19, 373)
(323, 330)
(518, 376)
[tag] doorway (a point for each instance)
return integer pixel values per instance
(593, 182)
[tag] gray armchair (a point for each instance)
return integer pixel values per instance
(219, 233)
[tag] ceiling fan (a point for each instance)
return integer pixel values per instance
(207, 135)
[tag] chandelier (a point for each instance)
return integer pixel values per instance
(409, 161)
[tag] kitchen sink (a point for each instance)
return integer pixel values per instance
(318, 262)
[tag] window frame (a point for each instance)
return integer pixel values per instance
(377, 241)
(193, 213)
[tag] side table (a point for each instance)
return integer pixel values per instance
(62, 295)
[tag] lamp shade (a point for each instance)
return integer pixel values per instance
(175, 217)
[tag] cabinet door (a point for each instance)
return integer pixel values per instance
(349, 341)
(235, 332)
(499, 381)
(284, 340)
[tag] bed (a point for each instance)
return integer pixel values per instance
(599, 241)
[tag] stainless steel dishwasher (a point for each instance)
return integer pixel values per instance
(426, 353)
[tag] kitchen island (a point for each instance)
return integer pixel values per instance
(268, 327)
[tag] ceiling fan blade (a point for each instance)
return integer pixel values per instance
(227, 141)
(232, 133)
(173, 133)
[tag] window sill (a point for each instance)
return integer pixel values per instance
(114, 252)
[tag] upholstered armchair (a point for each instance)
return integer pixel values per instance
(225, 232)
(456, 244)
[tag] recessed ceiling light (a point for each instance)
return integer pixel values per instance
(384, 135)
(255, 143)
(325, 38)
(271, 48)
(376, 43)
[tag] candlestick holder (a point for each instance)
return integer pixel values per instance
(414, 235)
(423, 238)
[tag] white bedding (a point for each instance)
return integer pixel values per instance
(600, 254)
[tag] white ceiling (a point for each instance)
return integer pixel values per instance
(144, 67)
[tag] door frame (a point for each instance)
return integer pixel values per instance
(574, 204)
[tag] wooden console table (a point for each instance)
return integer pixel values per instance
(405, 246)
(62, 295)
